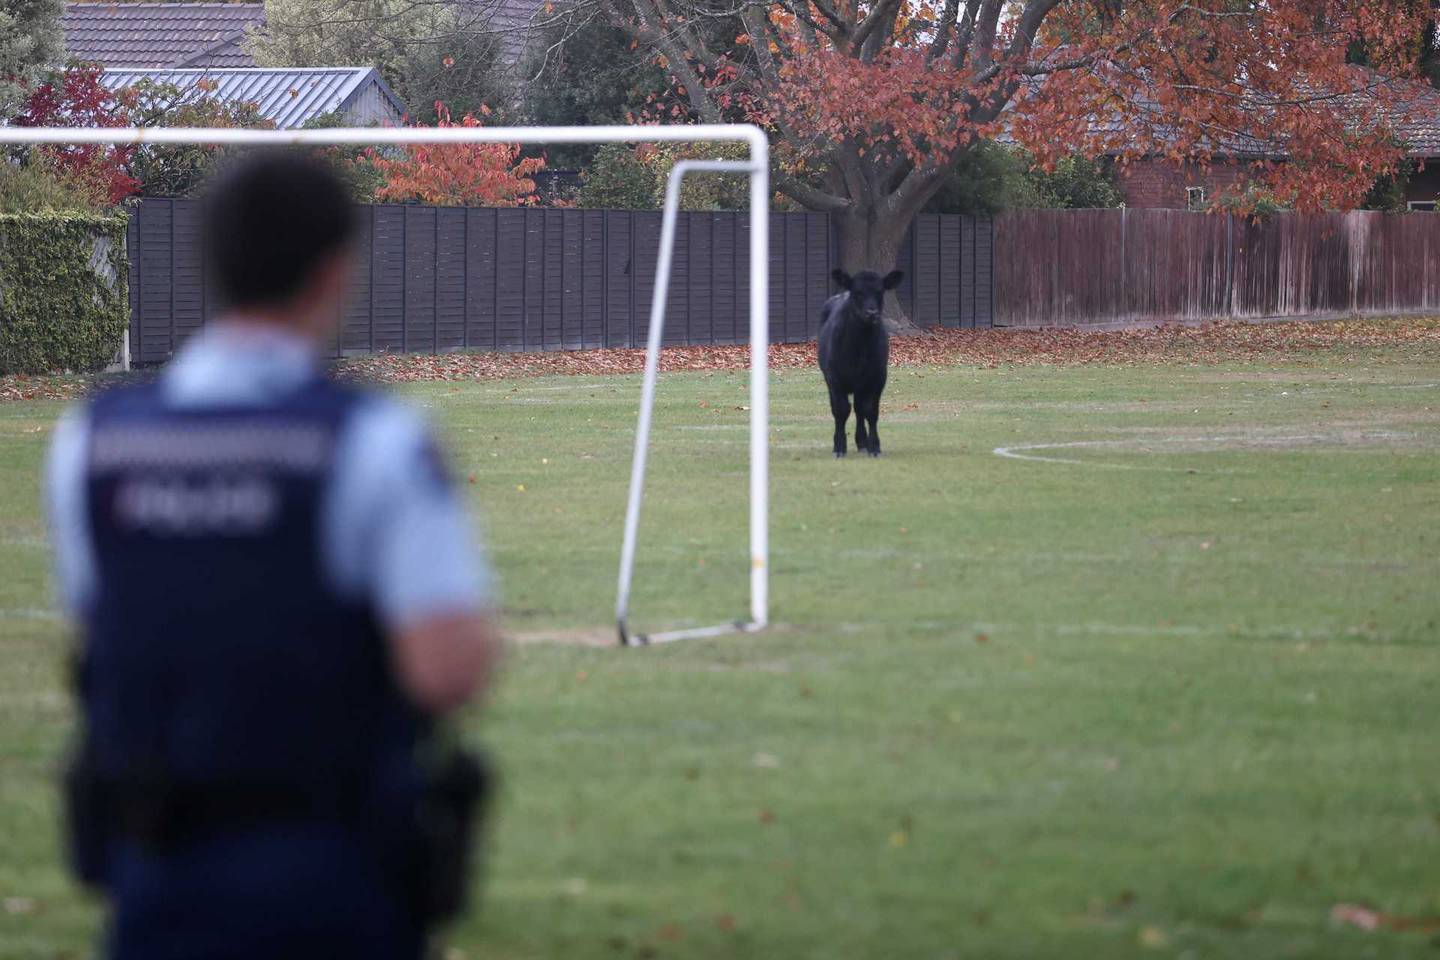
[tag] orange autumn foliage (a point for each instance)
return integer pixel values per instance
(468, 174)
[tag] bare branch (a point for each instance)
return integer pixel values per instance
(944, 31)
(815, 199)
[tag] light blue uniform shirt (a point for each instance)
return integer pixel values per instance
(390, 534)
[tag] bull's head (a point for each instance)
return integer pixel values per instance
(867, 291)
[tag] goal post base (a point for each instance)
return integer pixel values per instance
(628, 639)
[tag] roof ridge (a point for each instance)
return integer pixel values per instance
(219, 44)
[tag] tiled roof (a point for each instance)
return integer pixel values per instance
(156, 35)
(1409, 109)
(288, 96)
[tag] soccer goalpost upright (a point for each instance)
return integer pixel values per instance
(756, 167)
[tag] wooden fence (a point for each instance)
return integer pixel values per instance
(436, 279)
(1067, 267)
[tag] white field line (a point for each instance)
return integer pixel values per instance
(1100, 628)
(1019, 451)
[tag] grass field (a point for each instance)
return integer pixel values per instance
(1167, 686)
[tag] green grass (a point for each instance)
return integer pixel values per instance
(1178, 699)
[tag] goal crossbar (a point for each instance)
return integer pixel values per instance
(756, 168)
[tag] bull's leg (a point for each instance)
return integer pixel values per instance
(862, 438)
(871, 413)
(840, 407)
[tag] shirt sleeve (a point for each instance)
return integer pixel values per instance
(396, 530)
(66, 510)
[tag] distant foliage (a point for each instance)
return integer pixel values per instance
(353, 163)
(582, 68)
(1075, 183)
(38, 186)
(427, 52)
(618, 180)
(77, 98)
(988, 178)
(30, 43)
(182, 169)
(470, 174)
(635, 178)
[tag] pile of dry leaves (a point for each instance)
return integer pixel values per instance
(1210, 343)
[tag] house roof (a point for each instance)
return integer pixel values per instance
(1414, 117)
(287, 96)
(1407, 108)
(160, 34)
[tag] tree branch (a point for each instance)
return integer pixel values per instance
(805, 194)
(944, 31)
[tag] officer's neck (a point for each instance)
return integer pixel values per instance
(276, 325)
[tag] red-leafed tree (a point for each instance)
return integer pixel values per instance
(109, 174)
(873, 102)
(76, 98)
(468, 174)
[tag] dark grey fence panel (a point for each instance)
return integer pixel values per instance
(620, 278)
(481, 289)
(387, 269)
(435, 279)
(450, 273)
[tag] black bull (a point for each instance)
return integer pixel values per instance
(855, 354)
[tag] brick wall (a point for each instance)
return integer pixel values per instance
(1159, 185)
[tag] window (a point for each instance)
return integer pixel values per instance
(1195, 198)
(1426, 205)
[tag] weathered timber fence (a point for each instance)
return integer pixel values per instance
(437, 279)
(1067, 267)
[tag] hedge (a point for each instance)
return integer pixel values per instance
(63, 298)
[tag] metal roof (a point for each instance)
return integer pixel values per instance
(287, 96)
(160, 34)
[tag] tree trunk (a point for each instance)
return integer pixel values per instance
(868, 244)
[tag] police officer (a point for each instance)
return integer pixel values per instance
(278, 592)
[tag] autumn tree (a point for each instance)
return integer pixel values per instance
(872, 102)
(77, 98)
(457, 174)
(107, 174)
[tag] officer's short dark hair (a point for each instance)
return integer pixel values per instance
(270, 219)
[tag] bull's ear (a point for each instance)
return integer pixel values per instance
(842, 279)
(893, 278)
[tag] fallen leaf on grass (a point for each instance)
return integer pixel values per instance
(766, 761)
(766, 817)
(1153, 938)
(1368, 919)
(725, 922)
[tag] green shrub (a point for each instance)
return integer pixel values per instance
(618, 180)
(635, 178)
(35, 186)
(63, 298)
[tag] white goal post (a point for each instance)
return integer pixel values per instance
(757, 168)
